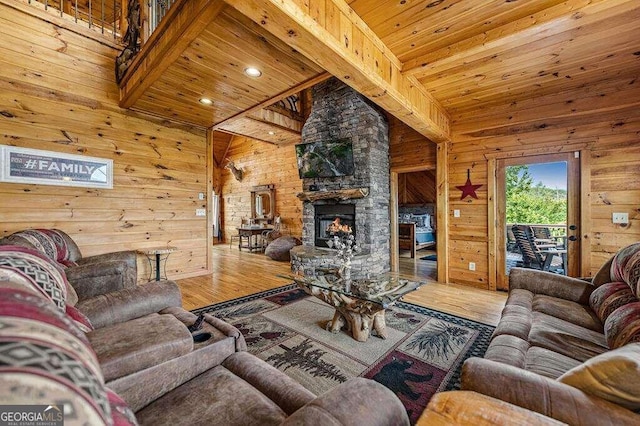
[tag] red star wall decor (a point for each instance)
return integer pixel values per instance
(468, 189)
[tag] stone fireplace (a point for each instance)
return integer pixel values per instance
(360, 200)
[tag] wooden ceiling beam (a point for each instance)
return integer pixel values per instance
(332, 35)
(183, 23)
(292, 91)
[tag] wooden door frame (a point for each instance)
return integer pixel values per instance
(496, 209)
(442, 209)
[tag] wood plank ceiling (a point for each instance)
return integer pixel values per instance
(474, 54)
(467, 54)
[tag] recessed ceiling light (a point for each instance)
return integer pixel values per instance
(206, 101)
(252, 72)
(272, 133)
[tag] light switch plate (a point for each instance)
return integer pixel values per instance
(201, 212)
(620, 218)
(456, 213)
(472, 266)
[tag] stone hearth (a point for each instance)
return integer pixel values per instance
(340, 112)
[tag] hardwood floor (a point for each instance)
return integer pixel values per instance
(237, 274)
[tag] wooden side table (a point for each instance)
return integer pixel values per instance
(155, 254)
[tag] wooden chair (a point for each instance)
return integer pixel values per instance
(542, 235)
(237, 236)
(544, 257)
(272, 234)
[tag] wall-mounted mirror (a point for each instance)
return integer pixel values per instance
(263, 202)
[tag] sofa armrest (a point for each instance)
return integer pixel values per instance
(356, 402)
(471, 408)
(551, 284)
(92, 279)
(128, 256)
(541, 394)
(130, 303)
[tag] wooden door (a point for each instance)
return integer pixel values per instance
(572, 160)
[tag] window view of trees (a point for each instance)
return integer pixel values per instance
(533, 203)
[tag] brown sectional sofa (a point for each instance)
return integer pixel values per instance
(147, 355)
(567, 348)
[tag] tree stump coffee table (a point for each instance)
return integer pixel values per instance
(362, 308)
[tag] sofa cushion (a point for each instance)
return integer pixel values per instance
(565, 338)
(141, 343)
(36, 273)
(548, 363)
(508, 349)
(626, 267)
(623, 325)
(43, 350)
(567, 310)
(231, 402)
(613, 375)
(609, 297)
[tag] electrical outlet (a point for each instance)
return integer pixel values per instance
(201, 212)
(200, 196)
(456, 213)
(621, 218)
(472, 266)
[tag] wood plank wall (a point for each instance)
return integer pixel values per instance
(262, 163)
(57, 93)
(597, 119)
(417, 187)
(409, 150)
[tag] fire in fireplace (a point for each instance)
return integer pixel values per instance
(333, 219)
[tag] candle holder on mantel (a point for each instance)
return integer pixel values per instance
(346, 248)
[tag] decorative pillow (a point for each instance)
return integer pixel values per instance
(47, 359)
(613, 375)
(121, 413)
(80, 319)
(609, 297)
(37, 273)
(623, 325)
(47, 241)
(626, 267)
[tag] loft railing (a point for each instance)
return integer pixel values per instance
(107, 16)
(102, 15)
(157, 10)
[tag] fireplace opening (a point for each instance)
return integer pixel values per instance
(333, 219)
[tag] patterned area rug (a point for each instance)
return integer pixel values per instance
(422, 354)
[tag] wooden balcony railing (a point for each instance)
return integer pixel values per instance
(104, 16)
(109, 16)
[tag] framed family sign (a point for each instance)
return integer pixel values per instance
(25, 165)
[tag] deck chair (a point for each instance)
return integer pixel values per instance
(535, 256)
(542, 235)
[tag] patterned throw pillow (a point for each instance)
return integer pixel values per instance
(47, 241)
(626, 267)
(613, 375)
(121, 413)
(37, 273)
(609, 297)
(623, 325)
(79, 318)
(47, 360)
